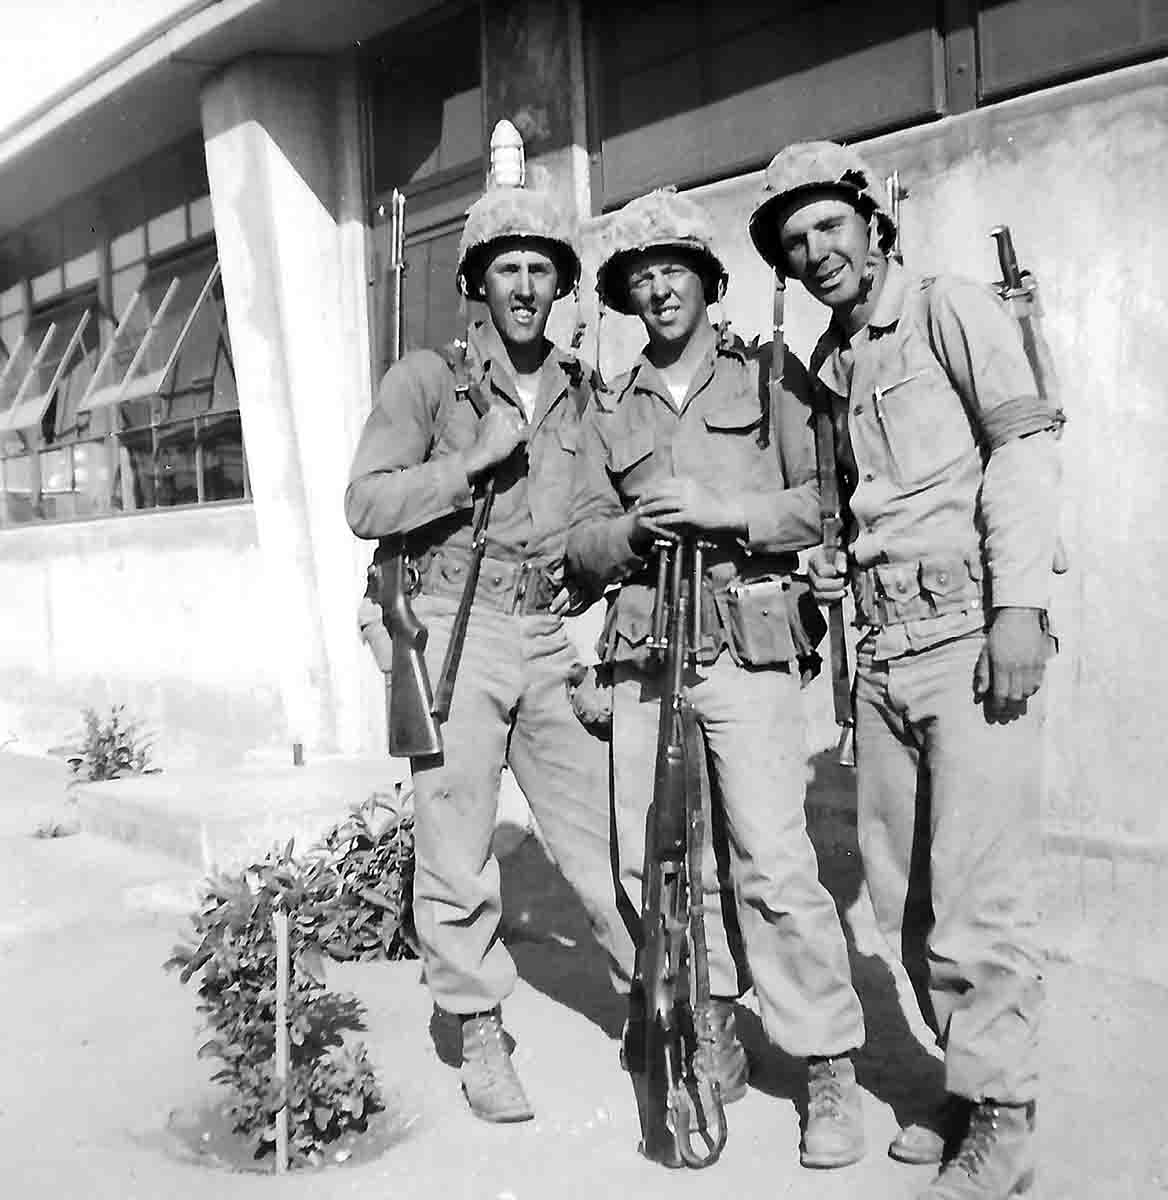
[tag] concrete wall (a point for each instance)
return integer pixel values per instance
(1080, 173)
(155, 611)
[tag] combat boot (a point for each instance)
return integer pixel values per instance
(719, 1055)
(833, 1135)
(492, 1087)
(928, 1140)
(996, 1158)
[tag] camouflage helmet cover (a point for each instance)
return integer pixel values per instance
(810, 166)
(660, 220)
(504, 213)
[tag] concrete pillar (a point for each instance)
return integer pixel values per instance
(283, 161)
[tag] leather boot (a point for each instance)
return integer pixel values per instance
(720, 1056)
(492, 1087)
(833, 1135)
(996, 1158)
(926, 1141)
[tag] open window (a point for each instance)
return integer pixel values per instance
(171, 317)
(51, 364)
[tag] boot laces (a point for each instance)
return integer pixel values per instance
(825, 1091)
(975, 1148)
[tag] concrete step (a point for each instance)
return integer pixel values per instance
(224, 818)
(227, 817)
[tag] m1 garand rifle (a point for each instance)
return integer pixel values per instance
(831, 519)
(413, 729)
(683, 1120)
(1018, 290)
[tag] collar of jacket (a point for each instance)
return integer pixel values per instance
(644, 377)
(492, 368)
(884, 320)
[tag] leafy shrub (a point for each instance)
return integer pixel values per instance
(331, 1088)
(110, 748)
(372, 854)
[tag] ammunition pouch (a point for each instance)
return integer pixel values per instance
(764, 619)
(897, 592)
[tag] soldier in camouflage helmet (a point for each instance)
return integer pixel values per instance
(947, 454)
(690, 440)
(421, 461)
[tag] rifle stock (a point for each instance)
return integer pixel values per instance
(682, 1118)
(412, 730)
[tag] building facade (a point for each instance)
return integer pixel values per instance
(192, 312)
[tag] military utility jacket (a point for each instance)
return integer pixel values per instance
(724, 436)
(407, 477)
(950, 459)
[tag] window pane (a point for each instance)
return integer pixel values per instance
(426, 101)
(92, 478)
(18, 477)
(134, 484)
(176, 479)
(222, 440)
(204, 375)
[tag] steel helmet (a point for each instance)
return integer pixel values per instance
(808, 166)
(663, 219)
(505, 213)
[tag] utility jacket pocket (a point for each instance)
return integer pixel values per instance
(923, 423)
(630, 451)
(758, 622)
(737, 418)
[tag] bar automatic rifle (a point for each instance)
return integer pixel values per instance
(413, 729)
(683, 1120)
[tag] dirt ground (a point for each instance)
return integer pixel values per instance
(99, 1049)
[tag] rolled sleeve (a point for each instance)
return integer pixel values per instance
(393, 488)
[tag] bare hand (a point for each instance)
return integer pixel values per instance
(828, 574)
(672, 503)
(500, 430)
(565, 602)
(1012, 662)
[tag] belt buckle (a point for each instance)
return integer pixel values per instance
(519, 587)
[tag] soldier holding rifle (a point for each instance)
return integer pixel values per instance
(947, 449)
(496, 420)
(692, 443)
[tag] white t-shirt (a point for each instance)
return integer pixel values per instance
(677, 393)
(527, 389)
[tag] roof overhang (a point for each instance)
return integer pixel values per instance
(146, 97)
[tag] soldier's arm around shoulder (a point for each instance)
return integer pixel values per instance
(598, 549)
(394, 484)
(786, 517)
(980, 345)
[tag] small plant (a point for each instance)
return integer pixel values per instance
(331, 1088)
(372, 854)
(110, 748)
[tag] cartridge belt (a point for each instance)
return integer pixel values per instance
(506, 585)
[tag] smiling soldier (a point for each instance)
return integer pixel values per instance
(690, 442)
(949, 455)
(423, 455)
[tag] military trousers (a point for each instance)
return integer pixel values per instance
(948, 817)
(752, 723)
(510, 706)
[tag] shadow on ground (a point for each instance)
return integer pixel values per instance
(893, 1064)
